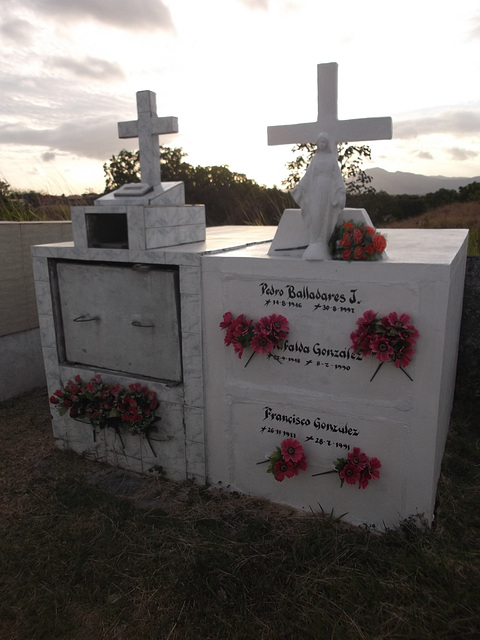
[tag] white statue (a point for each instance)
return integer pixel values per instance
(321, 196)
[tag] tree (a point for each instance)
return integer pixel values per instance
(441, 197)
(350, 158)
(124, 168)
(470, 193)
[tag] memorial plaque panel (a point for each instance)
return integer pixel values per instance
(316, 357)
(260, 427)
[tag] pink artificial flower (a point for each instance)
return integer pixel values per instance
(358, 458)
(264, 325)
(283, 469)
(374, 464)
(392, 320)
(302, 463)
(366, 346)
(292, 450)
(367, 318)
(238, 348)
(350, 473)
(402, 357)
(361, 342)
(241, 326)
(382, 348)
(227, 320)
(279, 325)
(229, 337)
(363, 479)
(369, 472)
(261, 343)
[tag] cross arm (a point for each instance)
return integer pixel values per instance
(342, 131)
(159, 126)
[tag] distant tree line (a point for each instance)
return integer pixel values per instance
(384, 208)
(229, 197)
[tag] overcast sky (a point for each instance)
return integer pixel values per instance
(228, 69)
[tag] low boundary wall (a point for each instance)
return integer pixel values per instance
(21, 361)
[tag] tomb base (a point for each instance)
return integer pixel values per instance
(317, 391)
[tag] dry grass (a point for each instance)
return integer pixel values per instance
(458, 215)
(93, 552)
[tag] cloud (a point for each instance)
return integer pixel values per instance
(424, 155)
(93, 137)
(145, 15)
(256, 4)
(475, 31)
(17, 30)
(454, 121)
(89, 67)
(461, 154)
(48, 156)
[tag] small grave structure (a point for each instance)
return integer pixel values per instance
(139, 297)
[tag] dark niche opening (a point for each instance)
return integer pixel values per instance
(107, 230)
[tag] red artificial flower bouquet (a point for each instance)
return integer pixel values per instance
(262, 337)
(390, 338)
(357, 241)
(104, 405)
(355, 468)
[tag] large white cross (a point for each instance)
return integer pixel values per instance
(327, 119)
(147, 129)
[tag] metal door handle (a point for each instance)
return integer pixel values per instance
(137, 323)
(86, 318)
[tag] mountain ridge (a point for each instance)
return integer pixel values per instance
(401, 182)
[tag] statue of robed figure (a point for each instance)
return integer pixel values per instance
(321, 196)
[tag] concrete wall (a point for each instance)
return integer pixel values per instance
(21, 363)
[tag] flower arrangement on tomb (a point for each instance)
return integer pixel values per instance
(104, 405)
(287, 460)
(390, 338)
(263, 336)
(357, 241)
(357, 467)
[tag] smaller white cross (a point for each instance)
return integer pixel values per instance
(327, 120)
(147, 129)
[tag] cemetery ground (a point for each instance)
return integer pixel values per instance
(88, 551)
